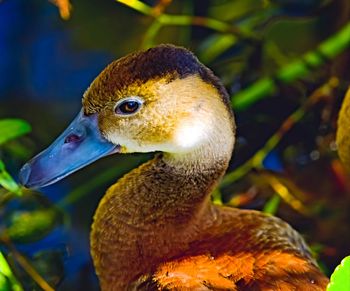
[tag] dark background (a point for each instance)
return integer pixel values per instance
(46, 63)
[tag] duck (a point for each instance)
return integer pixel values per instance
(157, 228)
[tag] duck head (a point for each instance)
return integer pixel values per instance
(162, 99)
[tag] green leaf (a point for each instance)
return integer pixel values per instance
(217, 197)
(7, 279)
(30, 226)
(4, 267)
(272, 205)
(4, 283)
(340, 279)
(7, 181)
(12, 128)
(216, 45)
(343, 137)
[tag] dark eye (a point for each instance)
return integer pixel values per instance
(128, 107)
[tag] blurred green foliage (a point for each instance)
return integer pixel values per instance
(285, 64)
(7, 279)
(30, 226)
(12, 128)
(27, 224)
(340, 279)
(7, 181)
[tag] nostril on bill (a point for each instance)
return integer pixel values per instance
(72, 138)
(24, 174)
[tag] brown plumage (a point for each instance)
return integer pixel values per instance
(173, 238)
(156, 228)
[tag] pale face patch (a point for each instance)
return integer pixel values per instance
(129, 145)
(180, 116)
(191, 134)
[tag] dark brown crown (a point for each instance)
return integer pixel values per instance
(163, 61)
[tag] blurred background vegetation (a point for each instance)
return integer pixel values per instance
(284, 62)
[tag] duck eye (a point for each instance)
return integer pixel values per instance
(128, 106)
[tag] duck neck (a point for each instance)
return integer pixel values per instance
(171, 188)
(154, 211)
(179, 189)
(188, 181)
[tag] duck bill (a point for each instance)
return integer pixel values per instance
(79, 145)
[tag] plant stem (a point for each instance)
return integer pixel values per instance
(23, 262)
(257, 160)
(181, 20)
(138, 6)
(328, 49)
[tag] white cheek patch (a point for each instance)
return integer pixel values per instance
(132, 146)
(191, 133)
